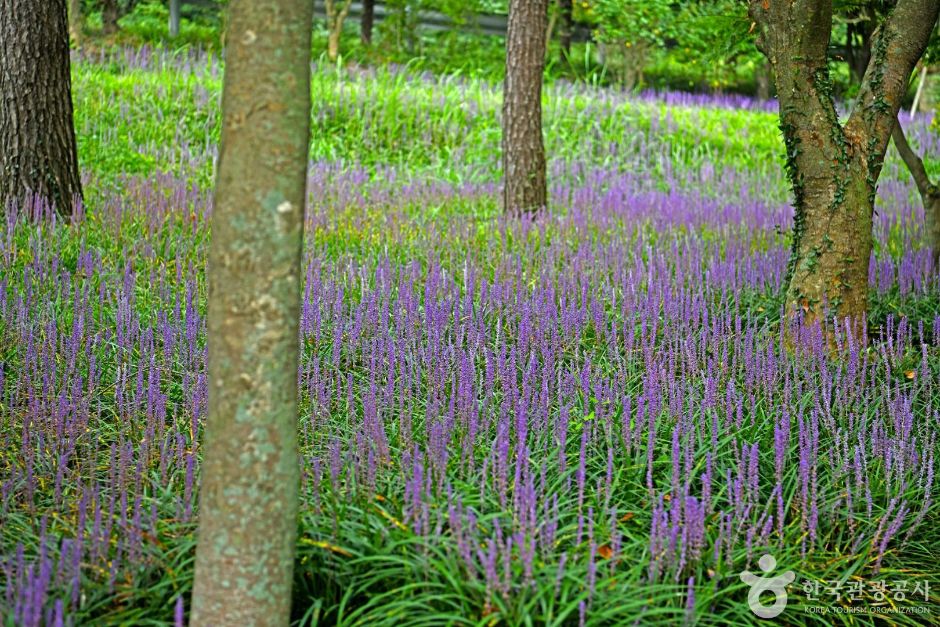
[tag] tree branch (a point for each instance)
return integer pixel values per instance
(897, 46)
(914, 163)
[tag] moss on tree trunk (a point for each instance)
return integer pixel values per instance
(250, 477)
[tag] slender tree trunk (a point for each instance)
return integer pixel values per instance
(250, 474)
(550, 29)
(332, 45)
(37, 135)
(763, 79)
(523, 147)
(174, 26)
(929, 193)
(75, 21)
(566, 26)
(109, 16)
(834, 168)
(367, 20)
(858, 38)
(336, 13)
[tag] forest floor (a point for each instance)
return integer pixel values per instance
(585, 417)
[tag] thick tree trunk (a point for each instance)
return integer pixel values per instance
(566, 26)
(367, 20)
(37, 136)
(929, 193)
(832, 168)
(75, 21)
(109, 16)
(250, 474)
(174, 26)
(523, 147)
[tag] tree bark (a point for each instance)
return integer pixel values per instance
(250, 474)
(833, 169)
(367, 20)
(929, 193)
(524, 187)
(38, 152)
(336, 13)
(109, 16)
(174, 25)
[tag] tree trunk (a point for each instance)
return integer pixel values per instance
(109, 16)
(75, 21)
(335, 17)
(174, 26)
(37, 135)
(832, 168)
(932, 216)
(763, 79)
(332, 45)
(858, 38)
(250, 474)
(929, 193)
(367, 20)
(523, 149)
(566, 26)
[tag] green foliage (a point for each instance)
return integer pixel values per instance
(441, 125)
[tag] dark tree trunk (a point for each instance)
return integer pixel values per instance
(109, 16)
(523, 148)
(929, 193)
(37, 134)
(832, 168)
(250, 475)
(858, 36)
(367, 20)
(566, 26)
(174, 25)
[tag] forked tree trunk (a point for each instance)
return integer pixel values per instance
(37, 135)
(332, 45)
(524, 187)
(833, 169)
(336, 13)
(250, 475)
(367, 20)
(929, 193)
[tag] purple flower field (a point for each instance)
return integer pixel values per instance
(590, 418)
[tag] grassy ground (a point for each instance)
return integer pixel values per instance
(586, 418)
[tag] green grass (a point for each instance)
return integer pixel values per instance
(443, 126)
(358, 563)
